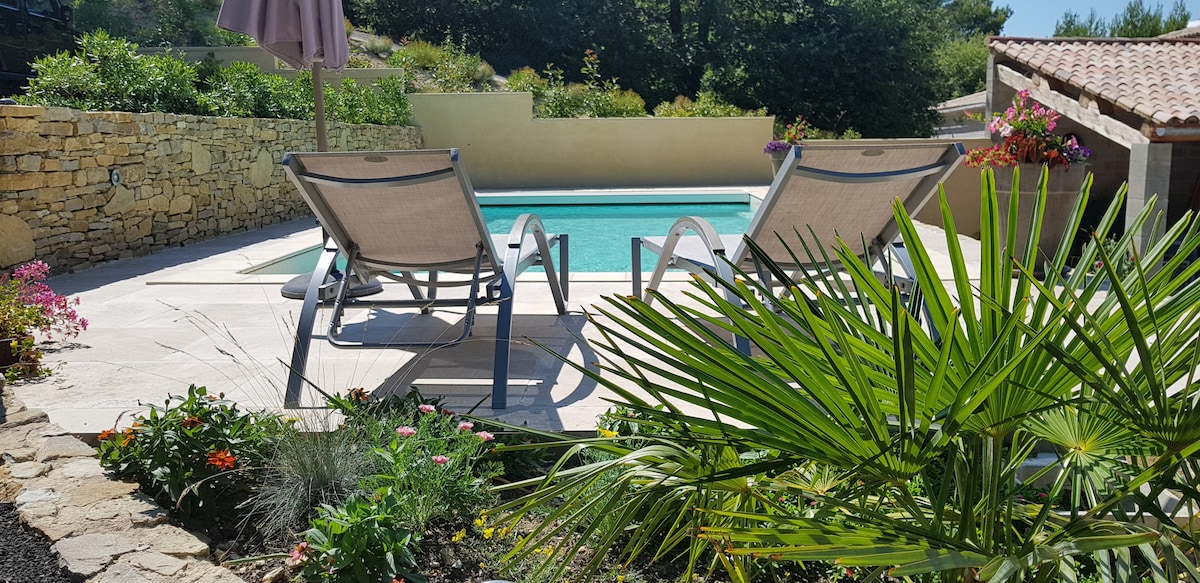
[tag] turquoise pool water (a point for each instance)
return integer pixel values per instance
(599, 233)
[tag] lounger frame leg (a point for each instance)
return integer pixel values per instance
(304, 328)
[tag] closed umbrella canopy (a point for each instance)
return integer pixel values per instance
(306, 34)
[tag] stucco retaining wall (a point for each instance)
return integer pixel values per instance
(183, 179)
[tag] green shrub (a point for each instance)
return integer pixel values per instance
(707, 104)
(526, 79)
(106, 74)
(380, 46)
(417, 54)
(358, 62)
(195, 454)
(239, 90)
(553, 97)
(383, 103)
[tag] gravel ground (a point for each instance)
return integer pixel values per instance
(25, 555)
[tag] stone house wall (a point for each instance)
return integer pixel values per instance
(183, 179)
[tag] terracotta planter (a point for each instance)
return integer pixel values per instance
(1062, 190)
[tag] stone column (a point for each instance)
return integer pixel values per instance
(1149, 175)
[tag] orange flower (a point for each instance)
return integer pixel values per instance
(191, 422)
(107, 433)
(359, 394)
(127, 436)
(222, 459)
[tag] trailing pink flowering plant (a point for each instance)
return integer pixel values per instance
(27, 304)
(1026, 128)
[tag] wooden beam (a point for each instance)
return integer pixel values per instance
(1084, 111)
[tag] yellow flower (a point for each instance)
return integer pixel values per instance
(606, 432)
(487, 532)
(620, 579)
(459, 535)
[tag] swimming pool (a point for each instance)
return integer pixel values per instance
(599, 233)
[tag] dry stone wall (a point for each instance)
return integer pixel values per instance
(182, 179)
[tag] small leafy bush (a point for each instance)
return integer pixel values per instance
(707, 104)
(195, 454)
(239, 90)
(28, 304)
(417, 54)
(358, 62)
(362, 540)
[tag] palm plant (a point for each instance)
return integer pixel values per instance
(851, 399)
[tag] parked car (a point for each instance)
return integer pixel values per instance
(30, 29)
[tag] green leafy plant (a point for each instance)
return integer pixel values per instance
(194, 454)
(554, 97)
(362, 541)
(850, 399)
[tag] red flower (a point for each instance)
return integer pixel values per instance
(222, 459)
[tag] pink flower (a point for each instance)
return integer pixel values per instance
(406, 431)
(485, 436)
(440, 459)
(296, 555)
(425, 408)
(465, 426)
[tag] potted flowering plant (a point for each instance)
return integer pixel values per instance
(1026, 135)
(27, 304)
(1027, 144)
(786, 137)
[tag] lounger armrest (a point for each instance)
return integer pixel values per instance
(703, 228)
(523, 225)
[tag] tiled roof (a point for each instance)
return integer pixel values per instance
(1189, 32)
(1157, 78)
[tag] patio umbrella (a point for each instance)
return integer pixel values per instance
(306, 34)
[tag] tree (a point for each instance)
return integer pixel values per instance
(962, 66)
(1072, 25)
(1135, 21)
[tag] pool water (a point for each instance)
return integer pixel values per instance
(599, 233)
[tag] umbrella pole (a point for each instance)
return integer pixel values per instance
(319, 104)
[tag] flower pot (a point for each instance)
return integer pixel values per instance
(8, 356)
(13, 355)
(777, 159)
(1062, 190)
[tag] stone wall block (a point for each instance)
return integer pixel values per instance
(22, 181)
(56, 128)
(21, 142)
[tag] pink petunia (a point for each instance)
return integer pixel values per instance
(406, 431)
(485, 436)
(426, 408)
(440, 459)
(465, 426)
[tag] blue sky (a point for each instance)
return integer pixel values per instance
(1036, 18)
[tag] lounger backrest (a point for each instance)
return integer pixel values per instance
(845, 190)
(403, 210)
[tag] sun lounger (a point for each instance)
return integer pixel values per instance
(832, 189)
(409, 216)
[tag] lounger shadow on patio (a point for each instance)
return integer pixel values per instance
(409, 216)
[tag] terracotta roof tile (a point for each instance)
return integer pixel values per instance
(1158, 79)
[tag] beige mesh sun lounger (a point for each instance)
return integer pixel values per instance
(833, 189)
(408, 216)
